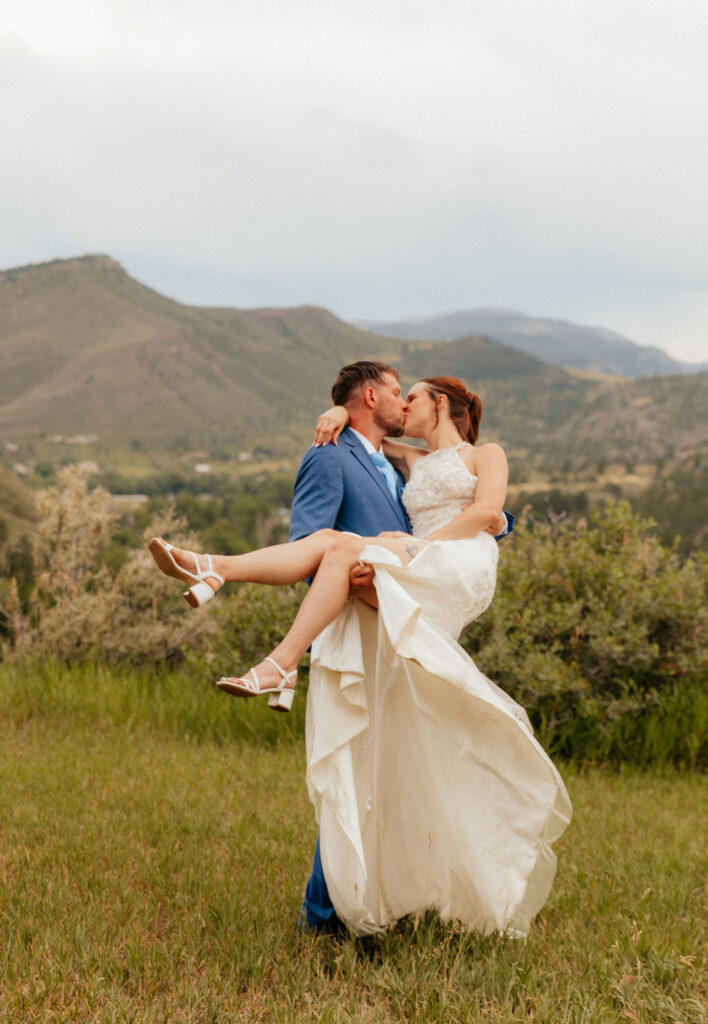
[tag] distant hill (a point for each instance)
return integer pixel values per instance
(558, 416)
(86, 349)
(558, 342)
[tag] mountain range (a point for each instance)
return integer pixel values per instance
(86, 349)
(558, 342)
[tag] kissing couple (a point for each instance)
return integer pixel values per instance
(429, 786)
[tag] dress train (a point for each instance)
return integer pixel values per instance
(429, 786)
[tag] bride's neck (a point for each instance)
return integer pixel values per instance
(443, 436)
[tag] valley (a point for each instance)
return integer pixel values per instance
(155, 397)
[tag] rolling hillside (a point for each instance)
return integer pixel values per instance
(86, 349)
(559, 417)
(554, 341)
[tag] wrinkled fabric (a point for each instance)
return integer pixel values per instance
(428, 784)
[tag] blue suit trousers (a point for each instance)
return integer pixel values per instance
(317, 913)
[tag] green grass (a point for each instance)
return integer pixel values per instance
(153, 856)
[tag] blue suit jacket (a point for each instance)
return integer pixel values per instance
(339, 487)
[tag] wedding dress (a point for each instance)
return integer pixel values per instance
(429, 787)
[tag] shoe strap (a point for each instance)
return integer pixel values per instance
(253, 684)
(285, 676)
(214, 575)
(209, 571)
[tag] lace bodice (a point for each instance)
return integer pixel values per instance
(440, 486)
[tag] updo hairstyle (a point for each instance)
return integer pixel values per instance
(464, 406)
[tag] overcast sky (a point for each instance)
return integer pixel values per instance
(382, 158)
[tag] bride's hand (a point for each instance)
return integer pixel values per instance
(394, 533)
(330, 425)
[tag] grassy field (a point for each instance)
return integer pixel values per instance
(154, 851)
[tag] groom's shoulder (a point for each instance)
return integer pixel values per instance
(328, 454)
(321, 457)
(321, 466)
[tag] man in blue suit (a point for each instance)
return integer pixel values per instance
(339, 486)
(351, 487)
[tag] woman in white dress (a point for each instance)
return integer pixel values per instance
(428, 784)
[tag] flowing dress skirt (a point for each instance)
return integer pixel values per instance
(428, 784)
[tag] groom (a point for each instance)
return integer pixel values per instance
(340, 486)
(351, 487)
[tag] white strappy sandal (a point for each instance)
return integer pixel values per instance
(200, 592)
(281, 697)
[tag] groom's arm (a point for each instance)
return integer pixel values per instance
(503, 526)
(318, 492)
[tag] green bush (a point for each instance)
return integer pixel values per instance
(244, 627)
(78, 610)
(600, 632)
(597, 629)
(91, 600)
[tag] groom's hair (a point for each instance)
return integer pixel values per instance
(357, 376)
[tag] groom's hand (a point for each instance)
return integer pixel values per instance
(497, 526)
(361, 584)
(361, 578)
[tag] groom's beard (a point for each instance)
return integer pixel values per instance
(393, 427)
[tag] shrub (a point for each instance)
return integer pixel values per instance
(598, 630)
(78, 610)
(244, 628)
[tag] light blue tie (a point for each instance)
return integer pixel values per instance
(385, 467)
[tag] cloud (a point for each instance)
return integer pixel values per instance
(381, 158)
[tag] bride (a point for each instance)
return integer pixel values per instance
(429, 786)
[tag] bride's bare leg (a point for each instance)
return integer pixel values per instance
(326, 598)
(275, 565)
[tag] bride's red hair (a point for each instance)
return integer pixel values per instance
(465, 407)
